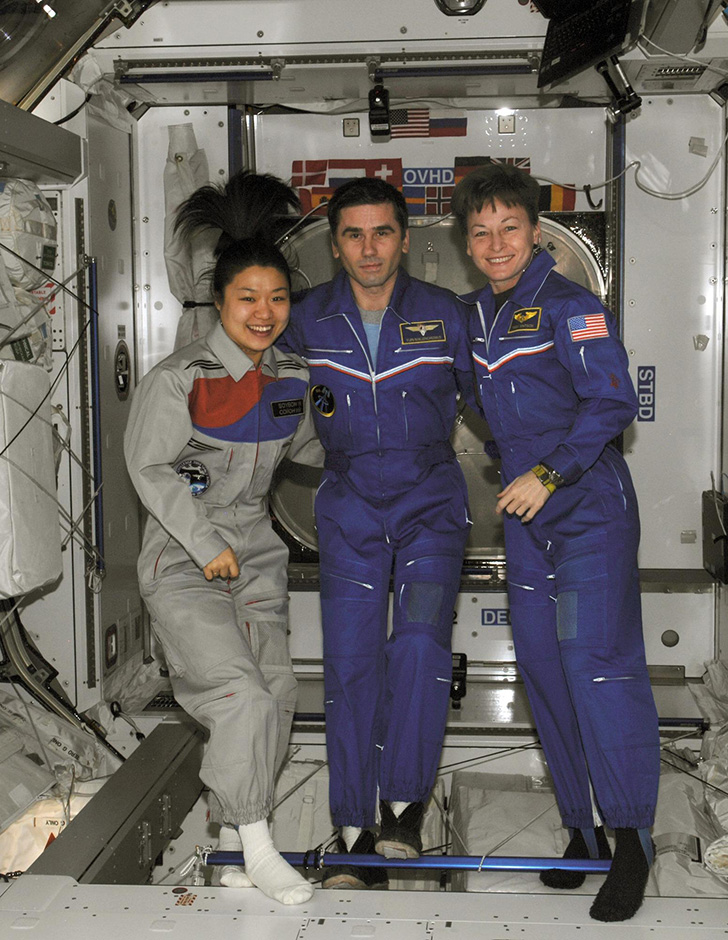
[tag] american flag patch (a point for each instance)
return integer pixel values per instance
(587, 327)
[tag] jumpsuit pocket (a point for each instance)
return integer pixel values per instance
(514, 399)
(403, 393)
(625, 700)
(582, 592)
(229, 476)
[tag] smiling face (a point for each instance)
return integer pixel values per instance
(255, 308)
(500, 241)
(369, 243)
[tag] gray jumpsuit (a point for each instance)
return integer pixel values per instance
(206, 431)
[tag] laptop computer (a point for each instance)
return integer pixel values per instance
(582, 33)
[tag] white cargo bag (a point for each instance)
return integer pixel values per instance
(28, 228)
(30, 550)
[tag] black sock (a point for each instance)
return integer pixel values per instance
(577, 848)
(621, 894)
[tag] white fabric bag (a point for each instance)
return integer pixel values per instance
(28, 228)
(30, 550)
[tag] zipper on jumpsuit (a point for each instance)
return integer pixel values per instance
(372, 376)
(487, 335)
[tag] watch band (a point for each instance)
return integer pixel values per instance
(549, 477)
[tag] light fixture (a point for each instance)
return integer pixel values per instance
(460, 7)
(379, 111)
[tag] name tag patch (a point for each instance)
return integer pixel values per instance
(284, 409)
(423, 331)
(526, 320)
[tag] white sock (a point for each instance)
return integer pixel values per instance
(232, 876)
(350, 834)
(398, 807)
(268, 870)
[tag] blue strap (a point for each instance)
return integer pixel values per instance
(590, 837)
(647, 845)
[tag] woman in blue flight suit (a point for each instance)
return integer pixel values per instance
(555, 388)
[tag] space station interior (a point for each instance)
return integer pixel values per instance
(111, 114)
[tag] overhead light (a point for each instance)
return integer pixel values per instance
(460, 7)
(48, 10)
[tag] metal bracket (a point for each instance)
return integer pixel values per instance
(373, 65)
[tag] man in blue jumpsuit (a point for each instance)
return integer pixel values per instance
(387, 356)
(555, 387)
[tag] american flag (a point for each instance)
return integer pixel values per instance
(410, 122)
(587, 327)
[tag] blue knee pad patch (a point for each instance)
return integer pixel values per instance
(567, 605)
(423, 601)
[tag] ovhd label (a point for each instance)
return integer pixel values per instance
(495, 617)
(428, 176)
(646, 384)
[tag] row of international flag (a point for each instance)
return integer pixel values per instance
(427, 190)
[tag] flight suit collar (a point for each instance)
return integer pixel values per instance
(342, 301)
(527, 287)
(232, 357)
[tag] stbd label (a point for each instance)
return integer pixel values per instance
(646, 383)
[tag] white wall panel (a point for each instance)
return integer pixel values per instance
(547, 137)
(673, 297)
(326, 25)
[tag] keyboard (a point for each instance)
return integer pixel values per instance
(581, 40)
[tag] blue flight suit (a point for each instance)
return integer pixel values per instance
(392, 504)
(554, 382)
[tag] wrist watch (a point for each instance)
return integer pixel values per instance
(550, 478)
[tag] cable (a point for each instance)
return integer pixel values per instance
(75, 110)
(65, 366)
(475, 761)
(90, 550)
(687, 773)
(297, 224)
(297, 785)
(687, 192)
(718, 513)
(6, 339)
(642, 186)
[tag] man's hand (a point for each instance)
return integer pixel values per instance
(225, 566)
(523, 497)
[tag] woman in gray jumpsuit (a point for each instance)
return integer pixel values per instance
(207, 428)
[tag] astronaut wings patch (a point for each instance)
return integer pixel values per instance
(422, 331)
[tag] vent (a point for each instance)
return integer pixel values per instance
(671, 72)
(655, 77)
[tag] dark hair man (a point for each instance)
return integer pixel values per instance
(387, 356)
